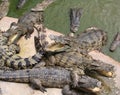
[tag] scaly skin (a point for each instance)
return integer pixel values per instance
(16, 31)
(35, 16)
(91, 39)
(10, 49)
(4, 8)
(75, 15)
(68, 91)
(49, 77)
(8, 55)
(80, 62)
(26, 23)
(16, 62)
(76, 57)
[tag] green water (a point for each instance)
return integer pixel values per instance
(104, 14)
(13, 12)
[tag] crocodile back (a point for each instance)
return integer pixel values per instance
(91, 39)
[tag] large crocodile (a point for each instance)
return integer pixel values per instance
(50, 77)
(35, 15)
(92, 38)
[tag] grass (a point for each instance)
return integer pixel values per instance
(101, 13)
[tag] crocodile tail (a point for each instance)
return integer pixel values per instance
(37, 44)
(15, 76)
(23, 63)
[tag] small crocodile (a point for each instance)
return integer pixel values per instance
(21, 3)
(75, 15)
(4, 8)
(35, 16)
(25, 24)
(50, 77)
(9, 49)
(16, 31)
(115, 43)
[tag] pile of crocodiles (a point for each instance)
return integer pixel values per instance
(62, 64)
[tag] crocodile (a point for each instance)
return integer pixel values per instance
(75, 15)
(9, 57)
(115, 43)
(92, 38)
(9, 49)
(50, 77)
(17, 62)
(21, 3)
(74, 58)
(16, 31)
(4, 8)
(26, 23)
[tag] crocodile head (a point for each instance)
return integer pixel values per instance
(89, 84)
(75, 15)
(102, 68)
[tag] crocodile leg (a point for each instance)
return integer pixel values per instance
(75, 73)
(35, 82)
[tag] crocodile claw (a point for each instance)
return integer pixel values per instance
(42, 89)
